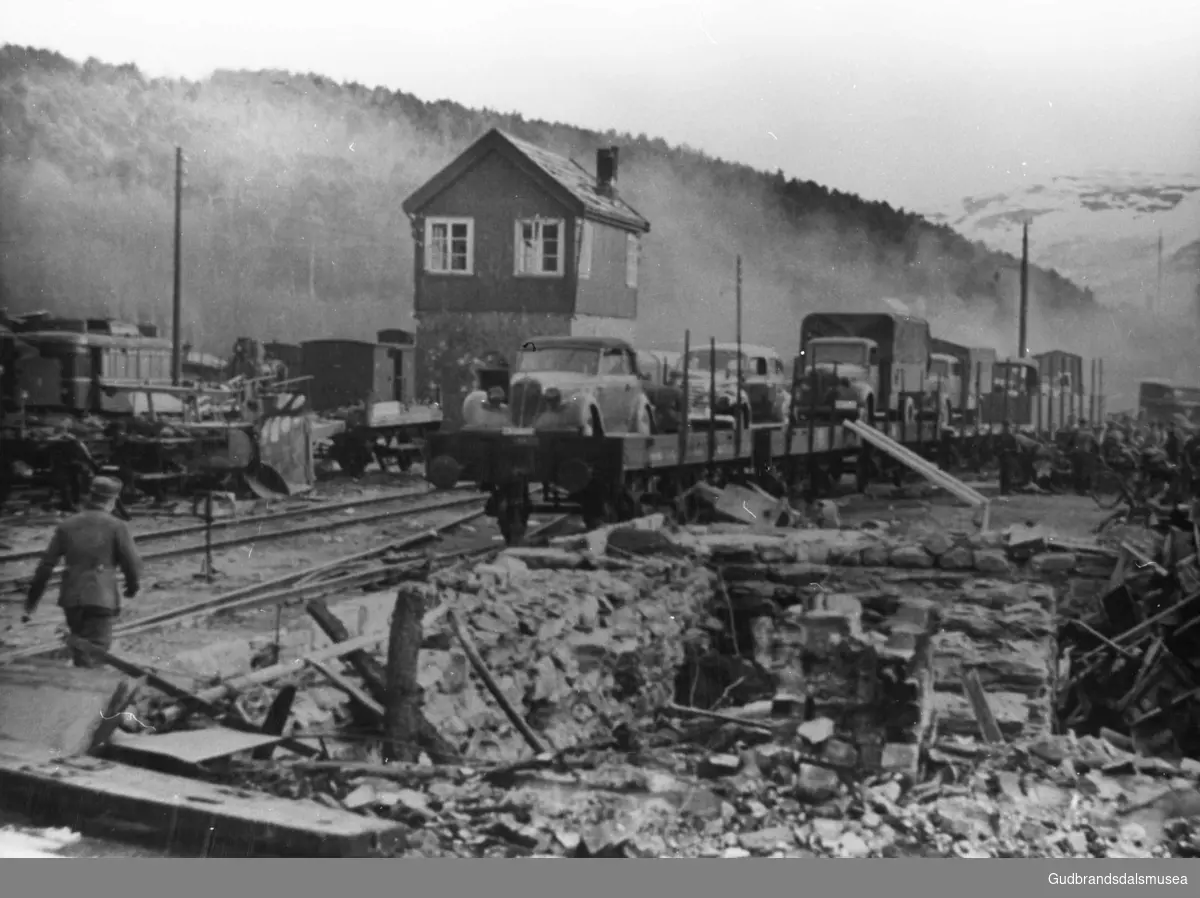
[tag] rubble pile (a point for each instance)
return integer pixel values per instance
(1017, 551)
(1131, 659)
(577, 651)
(883, 655)
(1051, 797)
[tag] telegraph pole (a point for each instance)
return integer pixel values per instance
(177, 297)
(738, 404)
(1022, 345)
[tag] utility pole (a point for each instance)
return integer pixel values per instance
(1022, 344)
(177, 297)
(738, 405)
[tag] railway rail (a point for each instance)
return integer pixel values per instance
(322, 525)
(299, 586)
(224, 523)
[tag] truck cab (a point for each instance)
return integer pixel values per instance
(878, 361)
(946, 382)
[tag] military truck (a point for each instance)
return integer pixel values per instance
(881, 360)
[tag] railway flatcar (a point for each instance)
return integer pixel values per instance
(367, 391)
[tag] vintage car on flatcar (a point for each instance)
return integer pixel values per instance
(589, 385)
(765, 390)
(660, 375)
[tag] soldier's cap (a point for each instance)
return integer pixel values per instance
(105, 489)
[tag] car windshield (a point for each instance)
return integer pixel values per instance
(698, 360)
(573, 359)
(836, 353)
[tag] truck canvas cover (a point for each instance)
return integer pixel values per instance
(900, 338)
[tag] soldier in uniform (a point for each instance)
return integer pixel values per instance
(93, 544)
(1007, 449)
(1083, 456)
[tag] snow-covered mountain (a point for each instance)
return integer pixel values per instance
(1101, 230)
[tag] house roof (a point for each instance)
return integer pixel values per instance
(567, 179)
(577, 342)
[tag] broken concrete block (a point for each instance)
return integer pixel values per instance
(1052, 562)
(960, 558)
(851, 845)
(815, 731)
(716, 766)
(545, 559)
(799, 573)
(815, 785)
(937, 544)
(839, 752)
(899, 757)
(992, 561)
(827, 515)
(911, 557)
(769, 839)
(876, 555)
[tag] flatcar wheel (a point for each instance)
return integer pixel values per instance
(352, 458)
(511, 521)
(629, 506)
(687, 508)
(836, 470)
(598, 513)
(862, 472)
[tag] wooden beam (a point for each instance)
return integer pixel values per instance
(975, 693)
(187, 699)
(349, 688)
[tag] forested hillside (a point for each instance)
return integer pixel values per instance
(293, 226)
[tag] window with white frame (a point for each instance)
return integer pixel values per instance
(450, 245)
(585, 237)
(631, 260)
(539, 246)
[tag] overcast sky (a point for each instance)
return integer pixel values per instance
(918, 102)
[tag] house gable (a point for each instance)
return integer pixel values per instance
(574, 185)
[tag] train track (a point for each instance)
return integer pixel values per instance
(325, 524)
(250, 520)
(299, 586)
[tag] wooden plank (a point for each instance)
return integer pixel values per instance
(988, 726)
(191, 815)
(195, 746)
(189, 700)
(347, 687)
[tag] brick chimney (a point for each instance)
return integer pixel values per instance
(606, 170)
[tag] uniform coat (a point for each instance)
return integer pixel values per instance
(93, 545)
